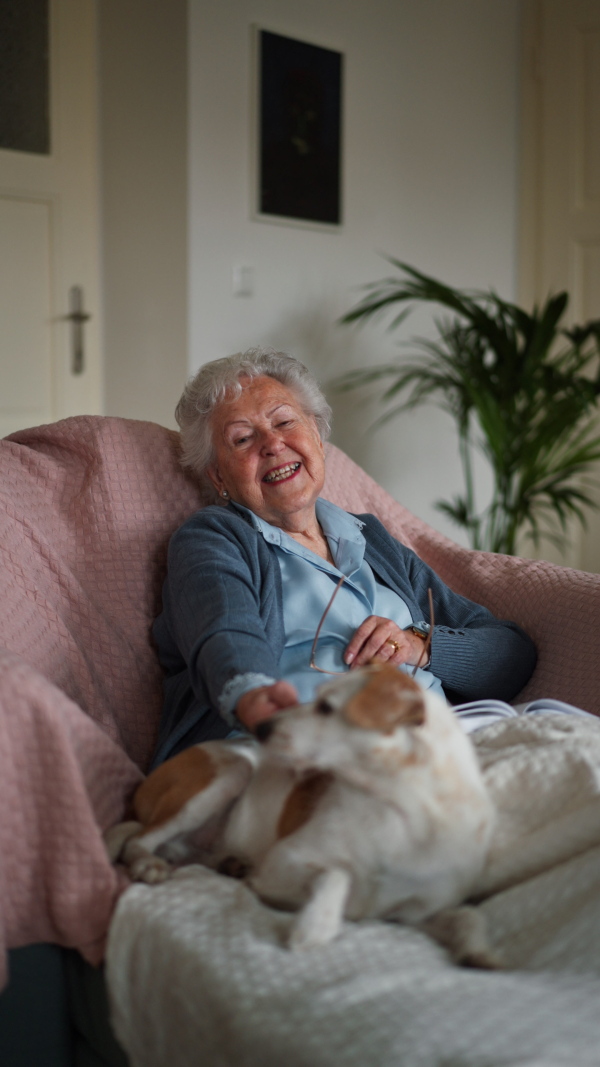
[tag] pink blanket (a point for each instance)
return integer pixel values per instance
(87, 506)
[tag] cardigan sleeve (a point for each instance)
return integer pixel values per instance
(474, 654)
(217, 601)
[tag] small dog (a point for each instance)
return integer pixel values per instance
(367, 803)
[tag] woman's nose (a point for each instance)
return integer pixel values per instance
(272, 443)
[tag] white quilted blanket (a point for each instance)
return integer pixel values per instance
(198, 974)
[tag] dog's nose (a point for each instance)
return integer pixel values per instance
(265, 729)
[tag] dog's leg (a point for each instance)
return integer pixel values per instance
(124, 846)
(463, 932)
(116, 837)
(182, 808)
(320, 919)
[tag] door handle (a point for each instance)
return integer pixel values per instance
(77, 317)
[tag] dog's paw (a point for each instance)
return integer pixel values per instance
(320, 920)
(480, 961)
(463, 932)
(143, 865)
(150, 869)
(310, 931)
(301, 940)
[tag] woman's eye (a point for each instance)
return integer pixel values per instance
(240, 441)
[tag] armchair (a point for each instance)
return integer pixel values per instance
(87, 506)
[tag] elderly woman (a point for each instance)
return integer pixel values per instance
(250, 578)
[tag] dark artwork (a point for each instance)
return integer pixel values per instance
(300, 121)
(24, 76)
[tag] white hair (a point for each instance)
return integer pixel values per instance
(220, 379)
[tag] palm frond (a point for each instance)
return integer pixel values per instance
(530, 386)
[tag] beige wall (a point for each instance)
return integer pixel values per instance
(430, 176)
(143, 150)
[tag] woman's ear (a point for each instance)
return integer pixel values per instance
(212, 473)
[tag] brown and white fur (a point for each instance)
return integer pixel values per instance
(367, 803)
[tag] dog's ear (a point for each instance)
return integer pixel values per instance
(388, 699)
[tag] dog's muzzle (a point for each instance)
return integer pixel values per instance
(265, 729)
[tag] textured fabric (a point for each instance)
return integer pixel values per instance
(223, 616)
(86, 509)
(87, 506)
(199, 964)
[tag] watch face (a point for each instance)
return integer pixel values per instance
(421, 628)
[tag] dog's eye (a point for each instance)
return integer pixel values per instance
(323, 707)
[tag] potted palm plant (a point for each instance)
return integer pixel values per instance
(519, 386)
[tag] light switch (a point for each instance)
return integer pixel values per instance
(242, 281)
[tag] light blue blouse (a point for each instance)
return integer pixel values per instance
(308, 583)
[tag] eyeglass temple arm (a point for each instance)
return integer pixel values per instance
(323, 617)
(426, 646)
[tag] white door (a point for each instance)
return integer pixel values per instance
(49, 363)
(561, 192)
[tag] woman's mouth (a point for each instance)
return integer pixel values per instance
(280, 474)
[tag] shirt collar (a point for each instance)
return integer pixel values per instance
(334, 521)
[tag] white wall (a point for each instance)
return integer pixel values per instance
(430, 176)
(142, 53)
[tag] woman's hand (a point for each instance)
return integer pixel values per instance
(380, 640)
(265, 701)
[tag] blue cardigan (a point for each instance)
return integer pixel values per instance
(223, 616)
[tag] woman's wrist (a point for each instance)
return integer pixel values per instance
(423, 653)
(235, 688)
(421, 632)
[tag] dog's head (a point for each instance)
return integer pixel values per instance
(387, 698)
(376, 708)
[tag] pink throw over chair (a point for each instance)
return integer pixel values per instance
(87, 506)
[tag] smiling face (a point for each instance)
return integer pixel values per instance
(268, 454)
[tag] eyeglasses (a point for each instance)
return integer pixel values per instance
(313, 651)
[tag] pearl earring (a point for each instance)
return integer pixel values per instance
(225, 494)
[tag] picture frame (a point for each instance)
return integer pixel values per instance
(298, 132)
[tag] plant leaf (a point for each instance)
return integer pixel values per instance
(528, 387)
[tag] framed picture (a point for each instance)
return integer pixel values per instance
(299, 112)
